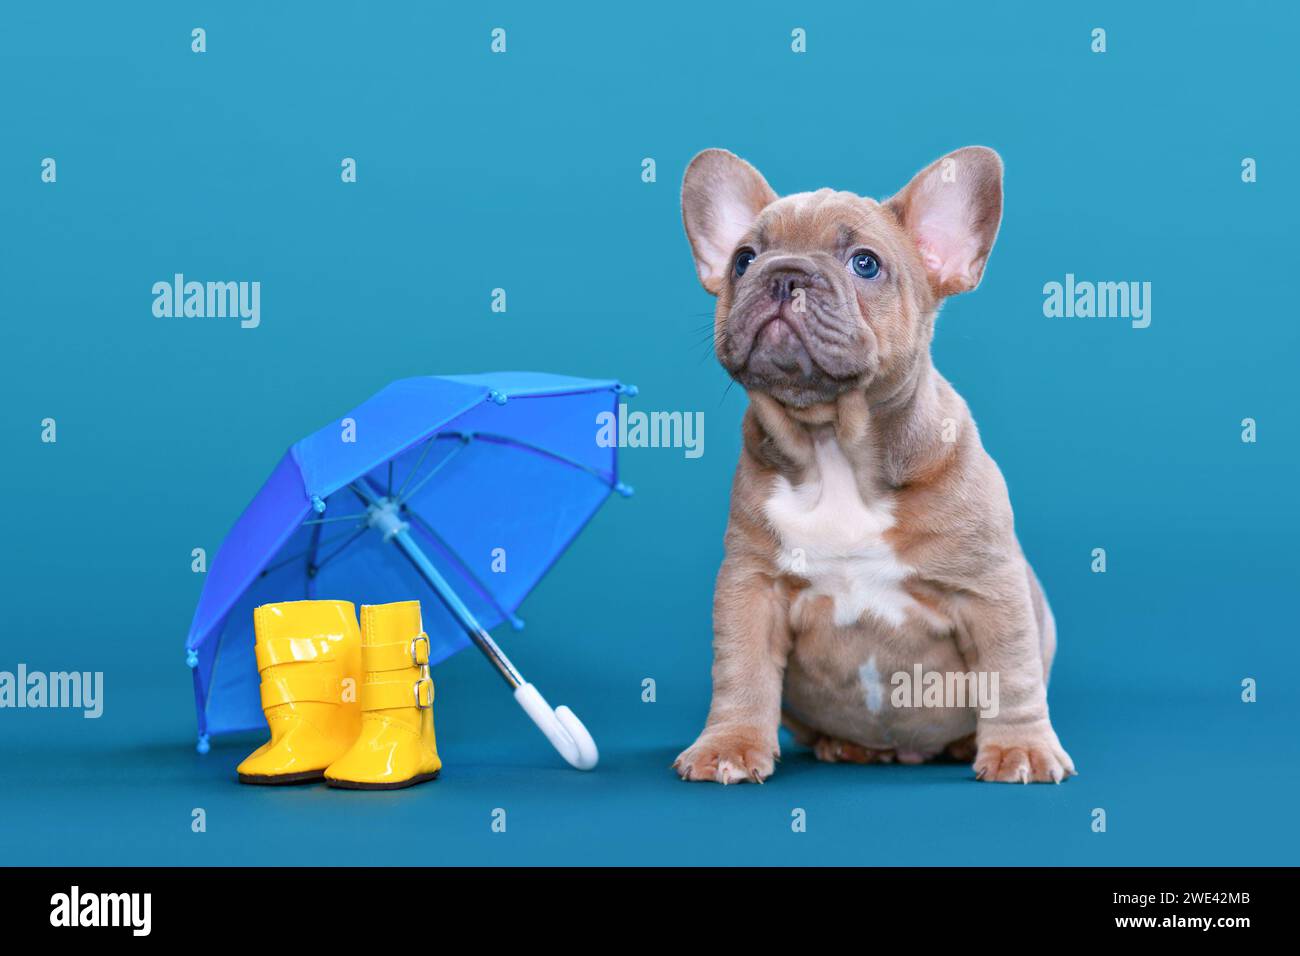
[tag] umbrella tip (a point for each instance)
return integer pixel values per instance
(629, 390)
(498, 397)
(317, 504)
(191, 657)
(625, 490)
(516, 623)
(204, 744)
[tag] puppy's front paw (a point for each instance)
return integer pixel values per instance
(732, 755)
(1027, 757)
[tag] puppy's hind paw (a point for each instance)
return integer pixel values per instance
(728, 756)
(830, 750)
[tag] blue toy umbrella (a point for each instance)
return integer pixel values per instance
(470, 486)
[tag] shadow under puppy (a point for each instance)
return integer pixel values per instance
(869, 531)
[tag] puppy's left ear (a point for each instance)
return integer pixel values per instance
(952, 210)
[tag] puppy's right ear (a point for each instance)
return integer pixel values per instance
(722, 195)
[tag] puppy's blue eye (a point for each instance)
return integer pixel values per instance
(866, 265)
(743, 260)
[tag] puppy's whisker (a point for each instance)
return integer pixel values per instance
(726, 391)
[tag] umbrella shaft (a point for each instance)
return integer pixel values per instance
(458, 609)
(498, 659)
(386, 519)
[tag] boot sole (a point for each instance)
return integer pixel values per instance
(353, 785)
(282, 779)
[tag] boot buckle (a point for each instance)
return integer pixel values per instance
(420, 649)
(423, 701)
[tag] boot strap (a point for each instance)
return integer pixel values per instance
(396, 656)
(396, 694)
(299, 689)
(291, 650)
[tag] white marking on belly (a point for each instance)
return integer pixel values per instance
(872, 690)
(831, 537)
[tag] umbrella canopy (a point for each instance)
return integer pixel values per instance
(481, 481)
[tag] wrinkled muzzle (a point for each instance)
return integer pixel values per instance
(795, 331)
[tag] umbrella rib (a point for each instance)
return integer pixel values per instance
(319, 521)
(312, 551)
(428, 444)
(341, 548)
(365, 499)
(528, 446)
(467, 437)
(455, 556)
(280, 564)
(290, 560)
(438, 467)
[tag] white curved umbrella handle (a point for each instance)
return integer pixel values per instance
(561, 726)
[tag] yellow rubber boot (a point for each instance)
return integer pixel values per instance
(396, 747)
(309, 656)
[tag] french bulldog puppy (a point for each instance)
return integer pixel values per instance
(869, 530)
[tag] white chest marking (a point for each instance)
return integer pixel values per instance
(835, 540)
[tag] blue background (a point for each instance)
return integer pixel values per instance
(523, 171)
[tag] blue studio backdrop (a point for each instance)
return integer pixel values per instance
(394, 199)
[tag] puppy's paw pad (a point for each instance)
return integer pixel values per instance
(1030, 762)
(727, 757)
